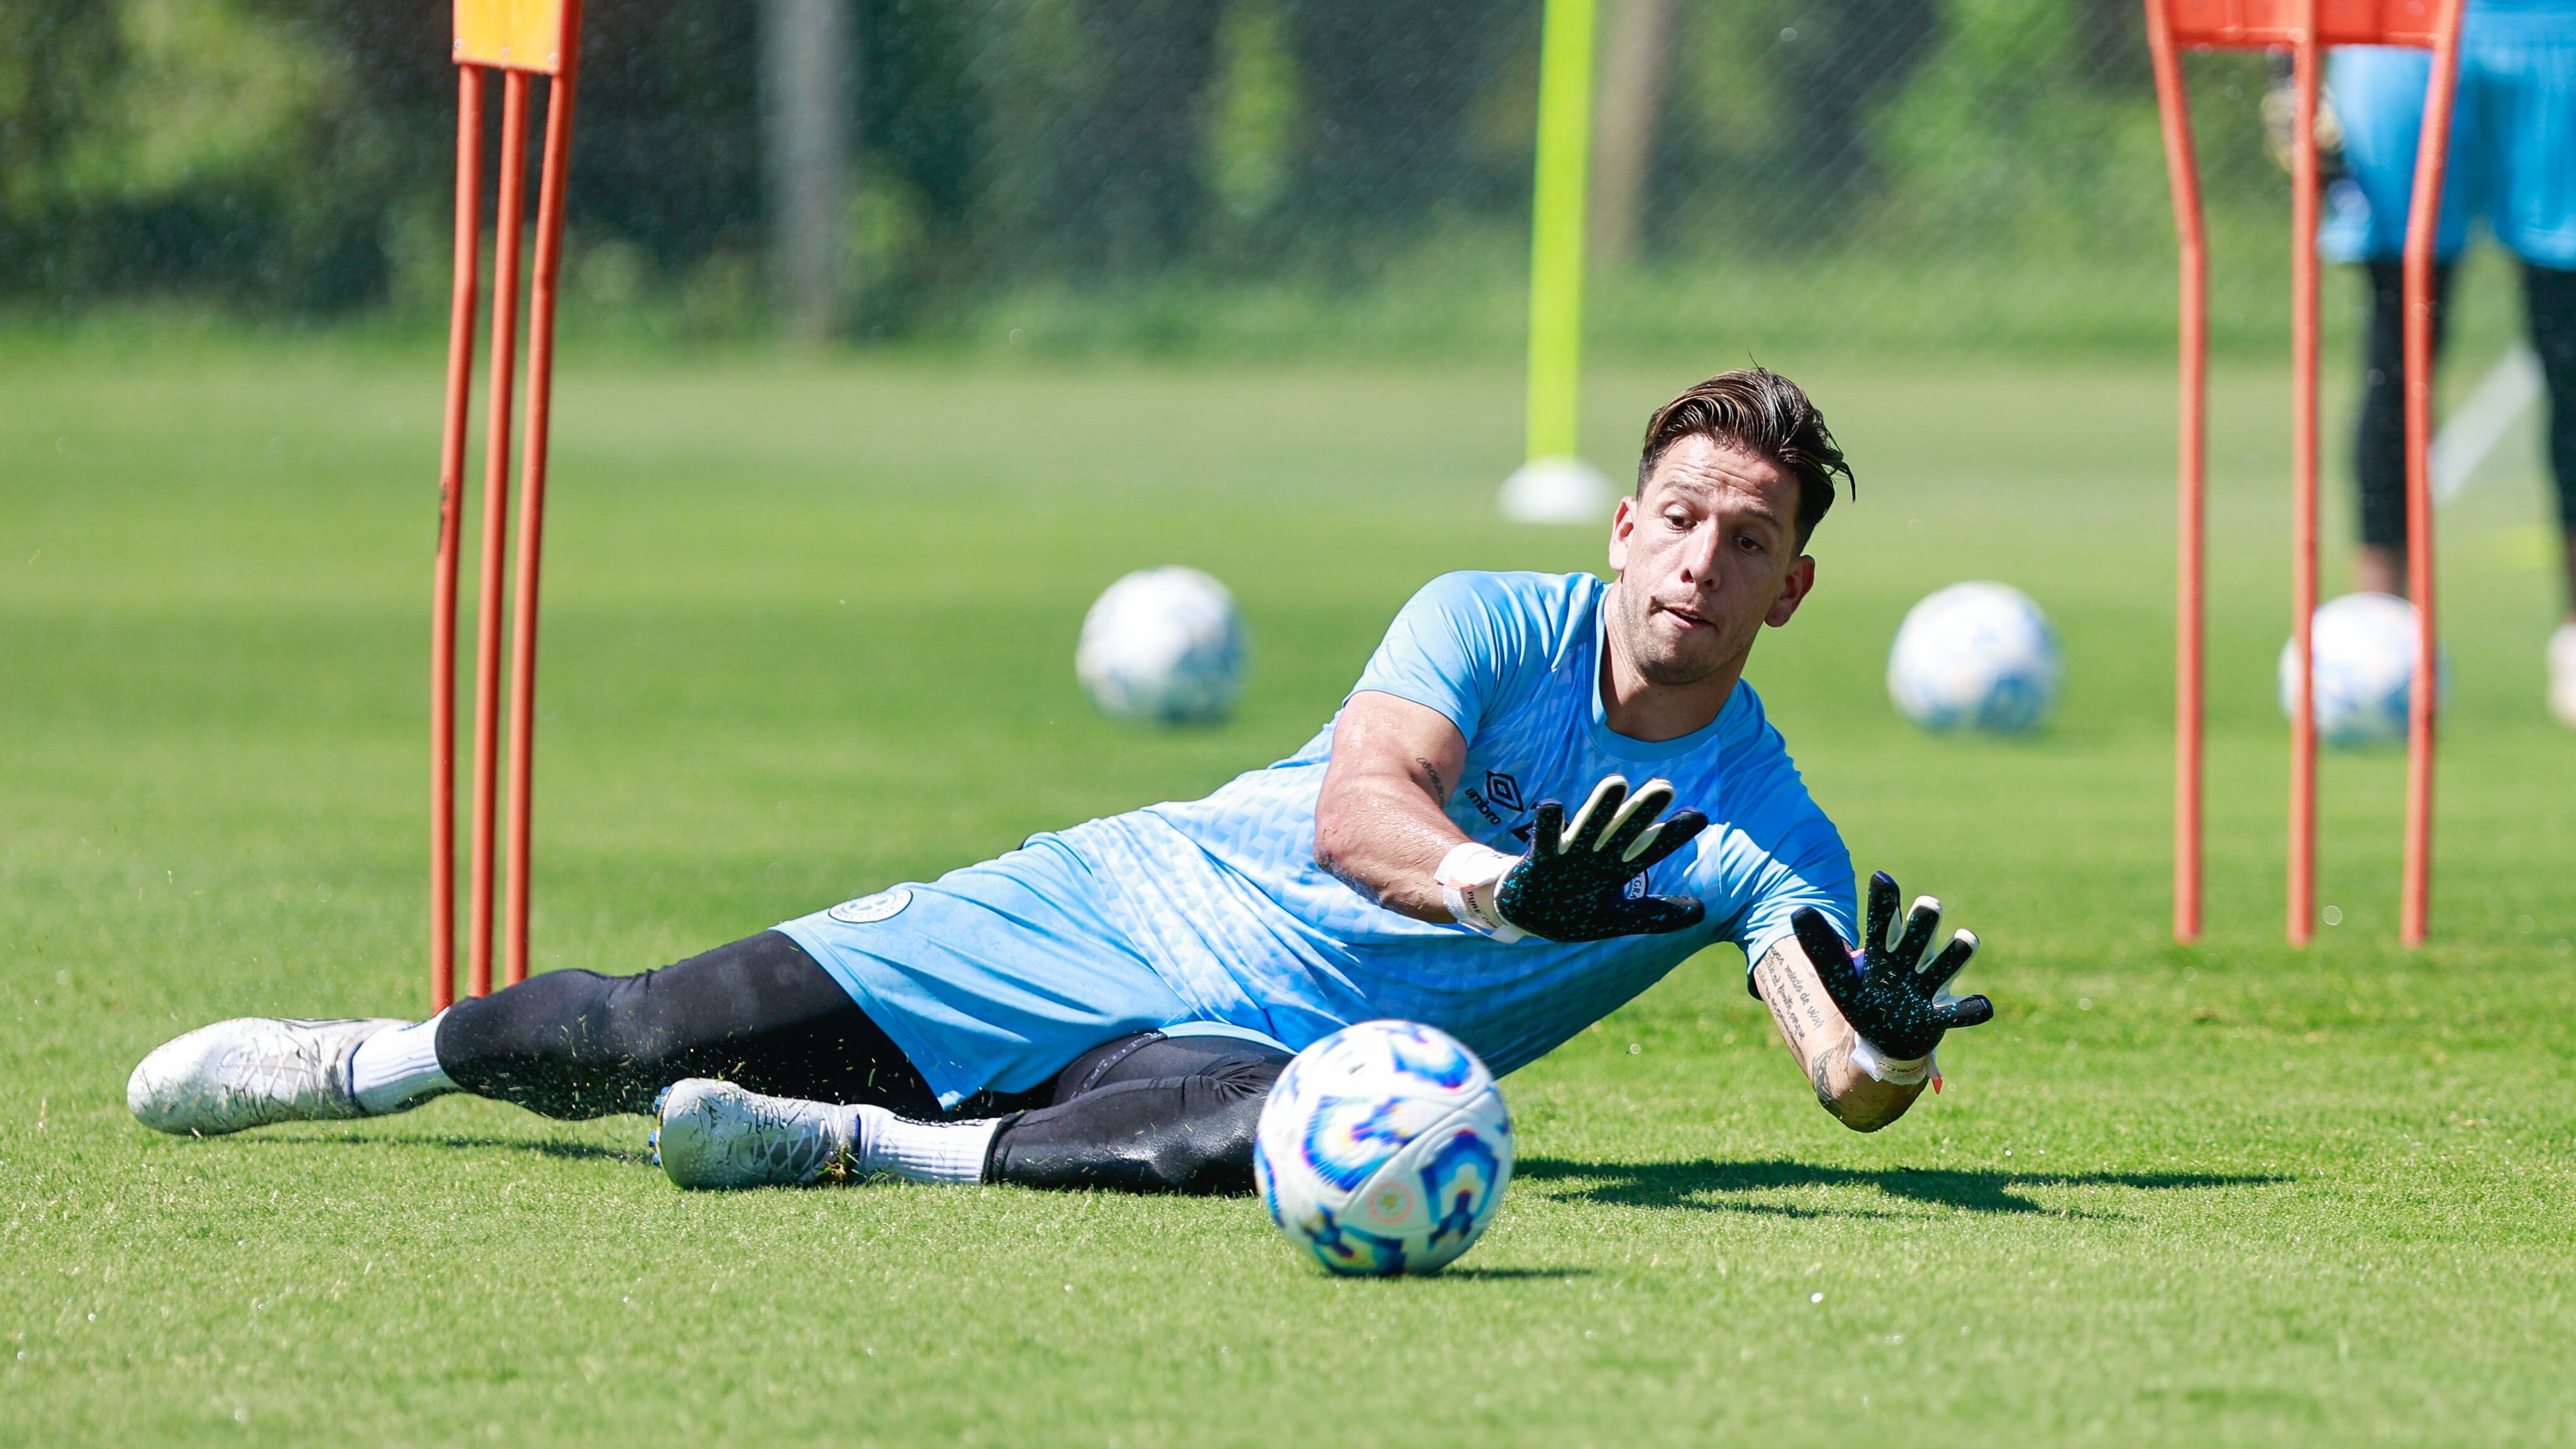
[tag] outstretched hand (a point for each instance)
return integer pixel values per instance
(1573, 884)
(1889, 994)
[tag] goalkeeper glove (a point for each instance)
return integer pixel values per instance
(1892, 998)
(1573, 884)
(2280, 110)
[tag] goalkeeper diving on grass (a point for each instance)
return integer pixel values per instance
(1543, 793)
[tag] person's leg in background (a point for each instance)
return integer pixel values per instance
(2524, 62)
(2377, 95)
(2379, 436)
(2549, 297)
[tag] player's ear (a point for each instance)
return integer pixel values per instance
(1793, 590)
(1623, 522)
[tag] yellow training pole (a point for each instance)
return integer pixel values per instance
(1557, 218)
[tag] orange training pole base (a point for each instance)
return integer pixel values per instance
(481, 850)
(2423, 225)
(521, 38)
(2192, 468)
(2304, 28)
(2303, 478)
(532, 509)
(451, 512)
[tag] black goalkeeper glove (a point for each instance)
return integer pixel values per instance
(1891, 999)
(1573, 885)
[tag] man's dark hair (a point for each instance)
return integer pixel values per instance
(1755, 410)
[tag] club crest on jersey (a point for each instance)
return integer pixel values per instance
(868, 910)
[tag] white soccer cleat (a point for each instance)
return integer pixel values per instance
(2562, 675)
(250, 1072)
(718, 1134)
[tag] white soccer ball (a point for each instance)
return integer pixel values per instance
(1163, 646)
(2364, 666)
(1974, 656)
(1383, 1149)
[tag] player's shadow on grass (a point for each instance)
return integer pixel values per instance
(1724, 1186)
(544, 1147)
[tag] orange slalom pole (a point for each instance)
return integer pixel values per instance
(2304, 187)
(496, 505)
(451, 509)
(2423, 232)
(532, 505)
(2191, 469)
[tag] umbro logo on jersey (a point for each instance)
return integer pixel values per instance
(1501, 796)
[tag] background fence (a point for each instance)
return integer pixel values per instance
(1161, 173)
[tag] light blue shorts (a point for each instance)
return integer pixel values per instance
(997, 976)
(2513, 140)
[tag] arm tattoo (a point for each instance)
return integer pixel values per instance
(1439, 787)
(1802, 1024)
(1820, 1075)
(1785, 992)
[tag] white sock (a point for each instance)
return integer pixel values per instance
(881, 1142)
(397, 1068)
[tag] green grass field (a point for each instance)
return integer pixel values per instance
(809, 631)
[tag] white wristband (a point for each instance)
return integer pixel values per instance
(1895, 1073)
(1469, 877)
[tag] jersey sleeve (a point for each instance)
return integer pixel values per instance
(1463, 645)
(1791, 855)
(1810, 867)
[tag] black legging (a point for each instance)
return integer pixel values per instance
(1142, 1113)
(2379, 447)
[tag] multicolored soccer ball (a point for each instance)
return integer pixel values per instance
(1975, 656)
(1163, 646)
(1384, 1149)
(2362, 649)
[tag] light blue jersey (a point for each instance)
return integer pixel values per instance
(1213, 915)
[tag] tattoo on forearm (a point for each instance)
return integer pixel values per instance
(1821, 1075)
(1793, 1005)
(1807, 1002)
(1776, 995)
(1825, 1047)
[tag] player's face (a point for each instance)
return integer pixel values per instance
(1707, 554)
